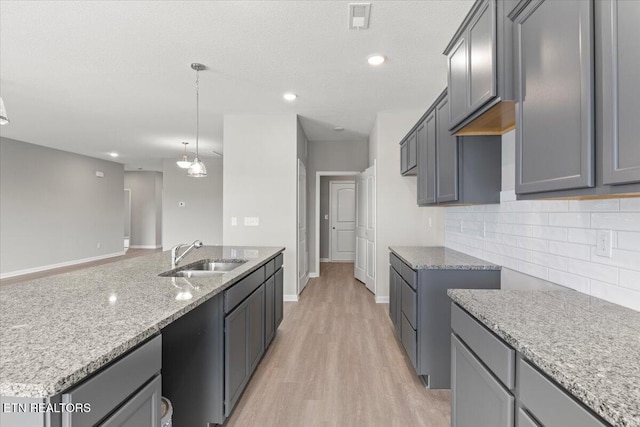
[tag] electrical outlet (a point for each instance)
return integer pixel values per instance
(99, 245)
(461, 226)
(603, 245)
(234, 221)
(430, 225)
(251, 221)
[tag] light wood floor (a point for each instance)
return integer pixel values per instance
(335, 361)
(131, 253)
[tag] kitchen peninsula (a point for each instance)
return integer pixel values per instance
(119, 324)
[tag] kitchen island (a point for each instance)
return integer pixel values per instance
(59, 331)
(559, 358)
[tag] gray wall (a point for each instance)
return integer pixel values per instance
(146, 208)
(201, 217)
(325, 229)
(54, 209)
(329, 156)
(260, 176)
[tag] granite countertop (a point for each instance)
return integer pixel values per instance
(589, 346)
(58, 330)
(439, 258)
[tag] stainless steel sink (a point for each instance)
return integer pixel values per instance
(204, 268)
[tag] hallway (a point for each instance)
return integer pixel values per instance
(336, 362)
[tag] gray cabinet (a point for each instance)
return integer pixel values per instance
(269, 310)
(618, 66)
(490, 382)
(480, 71)
(420, 311)
(143, 409)
(244, 344)
(453, 169)
(554, 132)
(279, 291)
(409, 154)
(427, 160)
(477, 398)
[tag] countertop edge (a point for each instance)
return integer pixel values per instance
(488, 266)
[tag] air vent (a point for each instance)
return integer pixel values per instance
(359, 16)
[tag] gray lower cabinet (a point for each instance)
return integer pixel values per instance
(143, 409)
(617, 69)
(493, 385)
(279, 291)
(477, 398)
(554, 120)
(269, 310)
(244, 345)
(420, 311)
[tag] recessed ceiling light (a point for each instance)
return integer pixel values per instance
(290, 96)
(114, 154)
(338, 128)
(376, 60)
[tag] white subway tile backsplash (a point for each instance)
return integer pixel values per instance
(626, 221)
(556, 241)
(570, 219)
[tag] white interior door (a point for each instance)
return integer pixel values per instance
(303, 250)
(360, 264)
(343, 220)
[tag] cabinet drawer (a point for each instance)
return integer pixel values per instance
(549, 403)
(525, 420)
(499, 357)
(238, 292)
(108, 389)
(270, 268)
(408, 336)
(409, 275)
(395, 262)
(279, 261)
(408, 301)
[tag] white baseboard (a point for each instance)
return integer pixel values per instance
(291, 298)
(145, 246)
(313, 275)
(382, 300)
(59, 265)
(324, 259)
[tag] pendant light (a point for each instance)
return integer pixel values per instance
(197, 168)
(3, 114)
(184, 162)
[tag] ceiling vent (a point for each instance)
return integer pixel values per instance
(359, 16)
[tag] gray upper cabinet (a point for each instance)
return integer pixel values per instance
(447, 154)
(409, 154)
(618, 62)
(480, 71)
(427, 160)
(554, 132)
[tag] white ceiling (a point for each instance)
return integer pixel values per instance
(92, 77)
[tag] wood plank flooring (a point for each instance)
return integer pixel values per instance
(335, 361)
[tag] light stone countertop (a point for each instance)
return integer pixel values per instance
(589, 346)
(439, 258)
(56, 331)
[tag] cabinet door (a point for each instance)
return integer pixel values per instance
(554, 132)
(427, 160)
(477, 398)
(279, 293)
(447, 155)
(142, 410)
(412, 150)
(404, 156)
(482, 55)
(255, 323)
(236, 366)
(457, 80)
(619, 108)
(269, 310)
(392, 295)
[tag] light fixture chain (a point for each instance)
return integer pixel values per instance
(197, 109)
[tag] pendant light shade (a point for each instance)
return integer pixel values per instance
(197, 168)
(184, 162)
(3, 114)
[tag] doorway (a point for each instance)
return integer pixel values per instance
(342, 221)
(127, 218)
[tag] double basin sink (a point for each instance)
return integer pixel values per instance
(204, 268)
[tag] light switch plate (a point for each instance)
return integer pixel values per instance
(234, 220)
(604, 243)
(251, 221)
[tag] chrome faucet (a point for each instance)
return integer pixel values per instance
(175, 259)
